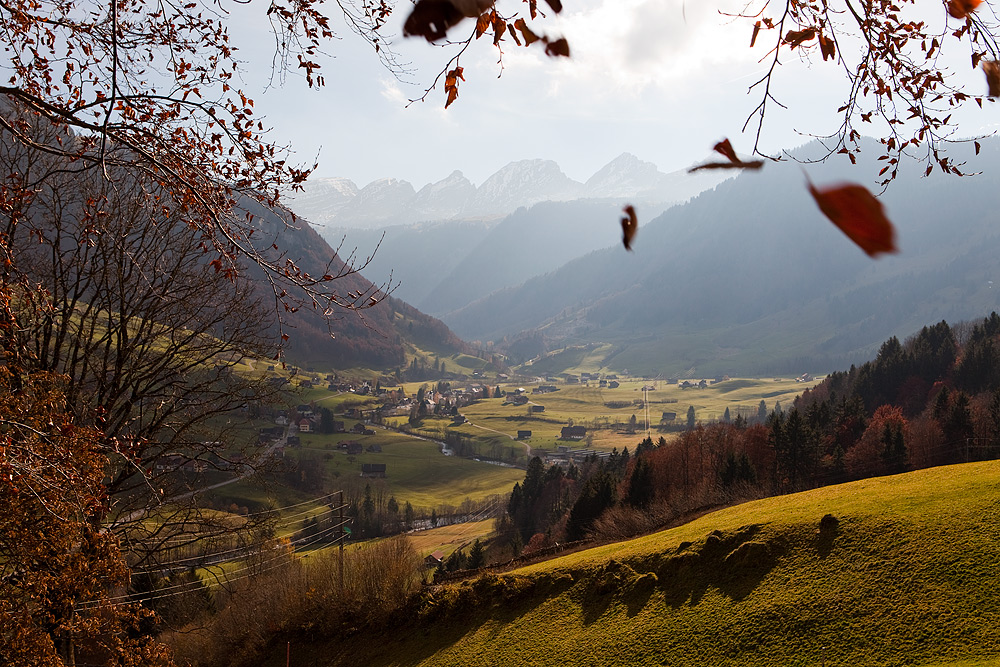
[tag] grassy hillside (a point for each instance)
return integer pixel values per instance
(905, 574)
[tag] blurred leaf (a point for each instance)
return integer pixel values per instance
(992, 70)
(859, 214)
(726, 149)
(559, 47)
(630, 225)
(962, 8)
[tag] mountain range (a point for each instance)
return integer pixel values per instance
(751, 278)
(338, 202)
(747, 277)
(381, 336)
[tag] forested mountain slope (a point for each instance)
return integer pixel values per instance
(751, 278)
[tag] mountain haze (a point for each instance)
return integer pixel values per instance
(376, 337)
(750, 277)
(386, 202)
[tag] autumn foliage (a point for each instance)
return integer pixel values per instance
(924, 402)
(55, 555)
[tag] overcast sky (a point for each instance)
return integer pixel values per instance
(662, 79)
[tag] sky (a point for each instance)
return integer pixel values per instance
(661, 79)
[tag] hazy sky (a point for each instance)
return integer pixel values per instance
(662, 79)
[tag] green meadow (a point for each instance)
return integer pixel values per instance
(895, 570)
(416, 470)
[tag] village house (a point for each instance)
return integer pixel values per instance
(373, 470)
(573, 433)
(523, 435)
(352, 447)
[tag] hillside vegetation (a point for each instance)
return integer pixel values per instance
(895, 570)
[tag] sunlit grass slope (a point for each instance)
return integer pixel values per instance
(904, 572)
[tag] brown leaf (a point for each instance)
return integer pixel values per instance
(859, 214)
(726, 149)
(528, 36)
(559, 47)
(499, 28)
(431, 19)
(992, 70)
(630, 225)
(796, 37)
(753, 37)
(483, 23)
(962, 8)
(739, 164)
(451, 85)
(556, 5)
(827, 47)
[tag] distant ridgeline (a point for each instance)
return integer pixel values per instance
(749, 278)
(933, 399)
(375, 337)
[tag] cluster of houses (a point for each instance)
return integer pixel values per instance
(435, 401)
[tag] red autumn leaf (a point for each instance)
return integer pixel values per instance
(962, 8)
(630, 225)
(559, 47)
(992, 70)
(858, 214)
(451, 85)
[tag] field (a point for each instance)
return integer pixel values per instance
(416, 470)
(496, 424)
(887, 571)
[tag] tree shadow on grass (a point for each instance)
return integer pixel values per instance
(829, 528)
(442, 618)
(733, 563)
